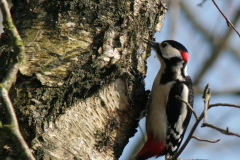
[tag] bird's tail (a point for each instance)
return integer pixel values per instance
(151, 148)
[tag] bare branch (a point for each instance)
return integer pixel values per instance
(200, 4)
(205, 32)
(206, 102)
(12, 125)
(188, 138)
(206, 96)
(206, 140)
(189, 106)
(17, 44)
(224, 104)
(224, 131)
(12, 128)
(216, 52)
(205, 91)
(227, 20)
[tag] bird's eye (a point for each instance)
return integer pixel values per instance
(164, 45)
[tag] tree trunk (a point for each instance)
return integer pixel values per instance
(81, 86)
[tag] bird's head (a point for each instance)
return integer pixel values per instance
(169, 50)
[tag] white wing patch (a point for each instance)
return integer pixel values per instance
(181, 118)
(173, 148)
(174, 134)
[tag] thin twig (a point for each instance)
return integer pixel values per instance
(219, 41)
(12, 127)
(227, 20)
(206, 104)
(206, 140)
(224, 104)
(208, 35)
(205, 91)
(224, 131)
(188, 138)
(206, 96)
(200, 4)
(189, 106)
(216, 51)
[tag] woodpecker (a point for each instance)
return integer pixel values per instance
(167, 117)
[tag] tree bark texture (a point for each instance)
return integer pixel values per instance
(81, 86)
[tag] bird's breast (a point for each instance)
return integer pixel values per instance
(156, 121)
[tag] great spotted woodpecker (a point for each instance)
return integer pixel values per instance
(167, 117)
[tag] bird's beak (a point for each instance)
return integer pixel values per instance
(153, 44)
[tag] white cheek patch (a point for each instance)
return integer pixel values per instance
(170, 52)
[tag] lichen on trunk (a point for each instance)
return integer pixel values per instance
(81, 86)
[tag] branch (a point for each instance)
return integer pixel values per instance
(200, 4)
(224, 131)
(205, 91)
(216, 52)
(207, 97)
(205, 32)
(224, 104)
(188, 138)
(206, 140)
(12, 125)
(227, 20)
(197, 25)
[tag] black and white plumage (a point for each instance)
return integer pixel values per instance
(168, 117)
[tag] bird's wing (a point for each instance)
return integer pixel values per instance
(178, 116)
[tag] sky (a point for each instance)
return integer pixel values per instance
(223, 75)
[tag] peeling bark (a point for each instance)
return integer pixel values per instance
(81, 86)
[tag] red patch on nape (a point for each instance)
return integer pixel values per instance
(185, 55)
(151, 148)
